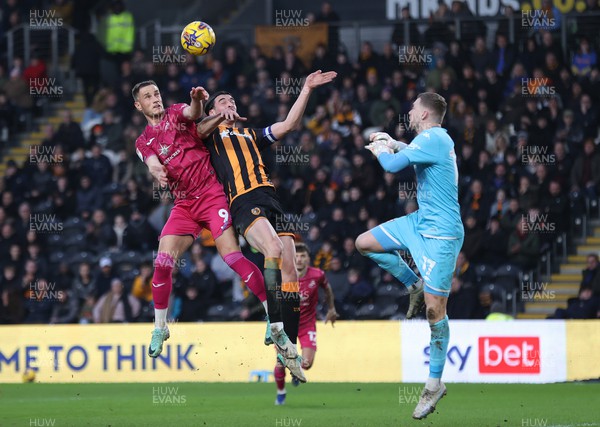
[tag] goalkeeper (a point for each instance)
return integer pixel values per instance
(433, 234)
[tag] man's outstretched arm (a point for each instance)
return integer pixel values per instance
(292, 121)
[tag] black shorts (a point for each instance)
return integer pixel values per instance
(262, 202)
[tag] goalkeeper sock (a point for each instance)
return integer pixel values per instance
(440, 335)
(395, 265)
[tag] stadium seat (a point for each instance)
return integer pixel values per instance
(367, 312)
(388, 311)
(217, 313)
(55, 241)
(74, 223)
(56, 257)
(484, 274)
(391, 291)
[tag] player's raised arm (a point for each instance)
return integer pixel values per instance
(292, 121)
(331, 315)
(197, 96)
(210, 123)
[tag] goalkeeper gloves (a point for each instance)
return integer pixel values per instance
(378, 147)
(388, 141)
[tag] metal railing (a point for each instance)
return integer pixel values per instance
(353, 33)
(51, 42)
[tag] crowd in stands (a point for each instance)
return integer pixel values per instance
(78, 230)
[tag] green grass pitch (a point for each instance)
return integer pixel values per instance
(329, 405)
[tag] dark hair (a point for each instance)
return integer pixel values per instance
(211, 100)
(302, 248)
(435, 103)
(137, 87)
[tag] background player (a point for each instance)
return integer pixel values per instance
(177, 158)
(433, 234)
(311, 280)
(257, 212)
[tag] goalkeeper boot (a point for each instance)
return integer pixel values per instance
(156, 344)
(428, 401)
(417, 299)
(268, 339)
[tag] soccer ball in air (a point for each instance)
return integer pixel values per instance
(28, 376)
(198, 38)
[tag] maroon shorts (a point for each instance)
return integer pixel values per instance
(209, 210)
(307, 335)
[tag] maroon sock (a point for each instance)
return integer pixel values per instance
(162, 281)
(249, 273)
(279, 373)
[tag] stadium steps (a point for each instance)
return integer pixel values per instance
(20, 153)
(565, 284)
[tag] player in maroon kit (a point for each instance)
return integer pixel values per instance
(177, 158)
(311, 279)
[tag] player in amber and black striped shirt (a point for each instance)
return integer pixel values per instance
(255, 208)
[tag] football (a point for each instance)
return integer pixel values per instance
(198, 38)
(29, 376)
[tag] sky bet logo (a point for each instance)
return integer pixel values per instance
(509, 355)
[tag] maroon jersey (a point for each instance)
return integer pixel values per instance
(177, 145)
(309, 295)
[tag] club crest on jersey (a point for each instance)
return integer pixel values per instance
(312, 284)
(164, 150)
(255, 211)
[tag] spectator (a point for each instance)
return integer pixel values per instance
(204, 282)
(524, 245)
(98, 167)
(66, 309)
(494, 244)
(104, 277)
(351, 258)
(12, 310)
(193, 307)
(497, 313)
(587, 115)
(86, 63)
(84, 283)
(323, 256)
(585, 306)
(360, 291)
(142, 284)
(585, 175)
(330, 16)
(473, 238)
(584, 59)
(414, 36)
(116, 306)
(556, 206)
(463, 297)
(40, 302)
(88, 198)
(591, 275)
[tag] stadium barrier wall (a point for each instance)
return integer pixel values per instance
(371, 351)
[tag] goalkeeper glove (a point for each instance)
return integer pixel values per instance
(378, 147)
(389, 142)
